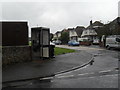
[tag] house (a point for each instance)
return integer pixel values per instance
(51, 36)
(95, 25)
(57, 35)
(72, 34)
(79, 30)
(90, 31)
(112, 28)
(75, 33)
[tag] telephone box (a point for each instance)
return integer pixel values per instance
(40, 37)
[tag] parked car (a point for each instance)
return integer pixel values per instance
(57, 42)
(96, 41)
(113, 41)
(84, 41)
(51, 43)
(73, 43)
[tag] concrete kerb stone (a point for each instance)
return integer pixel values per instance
(52, 75)
(78, 67)
(21, 80)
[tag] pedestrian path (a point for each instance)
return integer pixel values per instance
(40, 68)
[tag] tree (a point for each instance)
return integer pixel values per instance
(64, 37)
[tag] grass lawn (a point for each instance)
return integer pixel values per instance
(59, 51)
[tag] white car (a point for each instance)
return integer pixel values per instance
(113, 41)
(57, 42)
(96, 41)
(51, 43)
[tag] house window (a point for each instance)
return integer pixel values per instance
(72, 32)
(85, 32)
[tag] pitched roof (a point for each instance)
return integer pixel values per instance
(69, 29)
(64, 30)
(58, 32)
(96, 24)
(89, 32)
(79, 30)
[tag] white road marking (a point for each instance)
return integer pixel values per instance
(109, 75)
(88, 74)
(65, 76)
(46, 78)
(85, 74)
(100, 76)
(105, 71)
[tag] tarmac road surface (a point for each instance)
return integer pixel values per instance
(103, 73)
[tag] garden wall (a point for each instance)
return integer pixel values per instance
(15, 54)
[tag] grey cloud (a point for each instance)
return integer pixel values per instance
(58, 16)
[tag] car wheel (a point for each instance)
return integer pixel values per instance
(108, 47)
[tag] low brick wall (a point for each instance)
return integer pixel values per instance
(15, 54)
(87, 43)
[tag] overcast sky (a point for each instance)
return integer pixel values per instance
(60, 15)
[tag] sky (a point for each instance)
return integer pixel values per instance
(60, 14)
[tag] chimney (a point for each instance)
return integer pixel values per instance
(91, 23)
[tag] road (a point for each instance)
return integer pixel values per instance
(102, 73)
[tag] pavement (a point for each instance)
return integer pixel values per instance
(43, 68)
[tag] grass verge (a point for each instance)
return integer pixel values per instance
(30, 43)
(59, 51)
